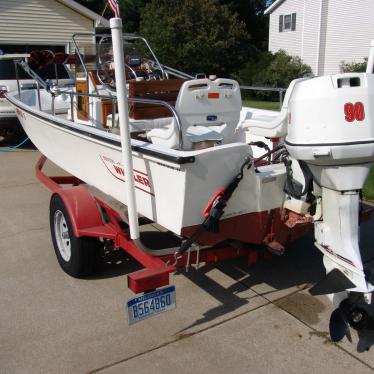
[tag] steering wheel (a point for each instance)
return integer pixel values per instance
(106, 75)
(132, 71)
(152, 70)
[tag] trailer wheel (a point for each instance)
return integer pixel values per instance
(78, 257)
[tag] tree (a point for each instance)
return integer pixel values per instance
(251, 12)
(130, 11)
(196, 36)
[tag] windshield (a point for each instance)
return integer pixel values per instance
(8, 72)
(101, 54)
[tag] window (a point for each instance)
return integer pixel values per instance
(287, 22)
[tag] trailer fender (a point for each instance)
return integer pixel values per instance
(82, 207)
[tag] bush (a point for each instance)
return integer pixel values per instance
(353, 67)
(272, 70)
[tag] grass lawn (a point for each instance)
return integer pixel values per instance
(274, 105)
(269, 105)
(369, 186)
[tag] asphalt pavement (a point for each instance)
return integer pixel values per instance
(229, 318)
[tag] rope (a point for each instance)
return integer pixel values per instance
(9, 149)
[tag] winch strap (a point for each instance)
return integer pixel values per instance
(211, 222)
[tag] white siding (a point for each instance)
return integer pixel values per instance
(40, 22)
(309, 52)
(344, 34)
(290, 41)
(350, 28)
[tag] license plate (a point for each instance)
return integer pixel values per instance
(150, 304)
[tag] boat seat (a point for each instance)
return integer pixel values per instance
(268, 125)
(139, 125)
(208, 110)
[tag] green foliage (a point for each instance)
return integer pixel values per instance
(272, 70)
(283, 69)
(130, 11)
(369, 186)
(196, 36)
(353, 67)
(251, 12)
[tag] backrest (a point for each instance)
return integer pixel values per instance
(209, 103)
(165, 90)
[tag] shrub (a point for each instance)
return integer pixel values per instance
(353, 67)
(272, 70)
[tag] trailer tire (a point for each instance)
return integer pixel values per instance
(77, 256)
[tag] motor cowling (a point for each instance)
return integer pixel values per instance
(331, 128)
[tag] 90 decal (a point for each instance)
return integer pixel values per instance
(354, 112)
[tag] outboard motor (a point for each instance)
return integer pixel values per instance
(331, 128)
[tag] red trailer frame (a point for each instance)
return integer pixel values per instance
(87, 221)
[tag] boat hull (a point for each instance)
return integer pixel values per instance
(170, 191)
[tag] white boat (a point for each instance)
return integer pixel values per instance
(185, 157)
(173, 181)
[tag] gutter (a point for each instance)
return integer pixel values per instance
(273, 6)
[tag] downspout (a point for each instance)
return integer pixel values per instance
(319, 37)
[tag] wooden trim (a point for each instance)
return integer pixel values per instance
(166, 90)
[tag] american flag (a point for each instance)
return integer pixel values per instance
(114, 5)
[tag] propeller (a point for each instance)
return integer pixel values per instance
(338, 326)
(353, 311)
(358, 315)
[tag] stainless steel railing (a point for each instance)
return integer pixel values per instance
(165, 69)
(280, 91)
(113, 100)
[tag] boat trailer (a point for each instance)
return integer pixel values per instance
(87, 219)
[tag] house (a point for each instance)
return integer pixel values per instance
(322, 32)
(40, 23)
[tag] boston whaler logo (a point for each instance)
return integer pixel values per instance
(116, 169)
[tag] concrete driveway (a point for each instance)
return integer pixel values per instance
(229, 319)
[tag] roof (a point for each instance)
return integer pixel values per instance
(273, 6)
(99, 21)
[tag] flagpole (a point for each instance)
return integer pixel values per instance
(102, 14)
(119, 64)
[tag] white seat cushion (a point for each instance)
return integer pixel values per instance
(197, 134)
(138, 125)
